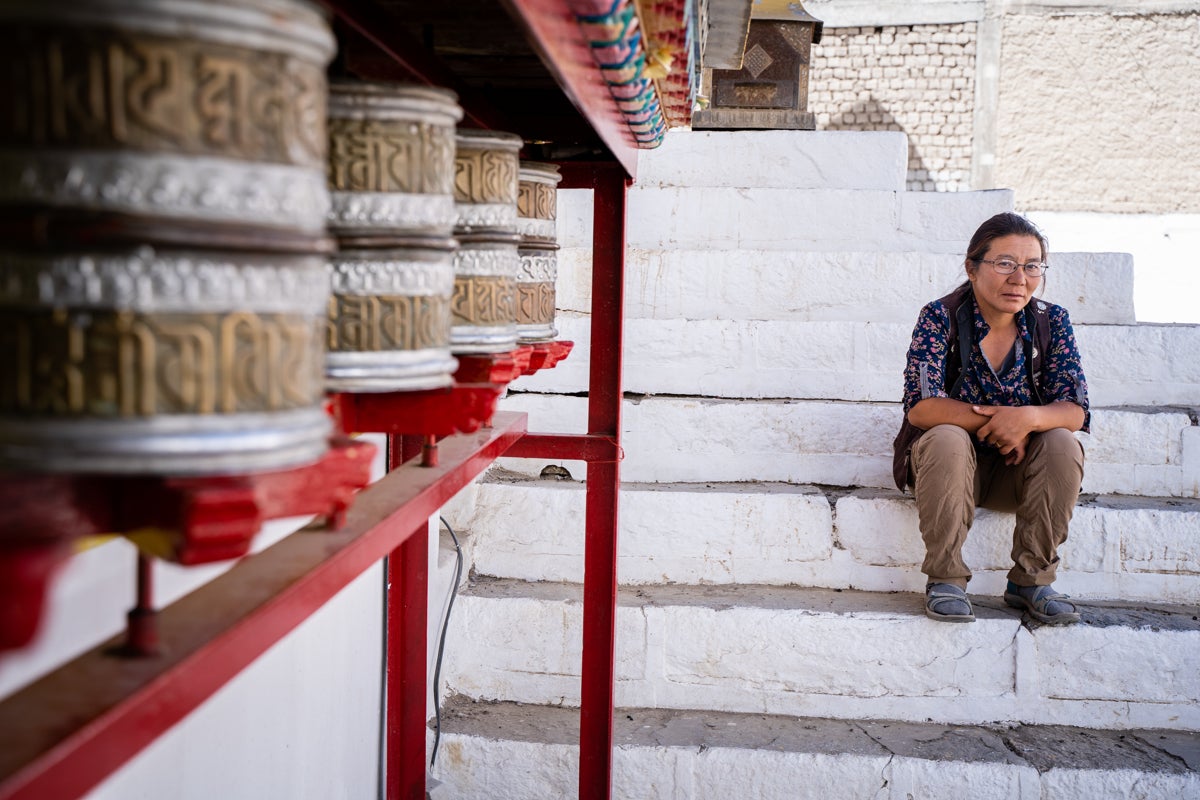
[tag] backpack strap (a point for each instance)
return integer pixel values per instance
(1037, 321)
(966, 340)
(962, 337)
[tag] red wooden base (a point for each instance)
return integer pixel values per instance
(548, 354)
(187, 520)
(499, 368)
(462, 408)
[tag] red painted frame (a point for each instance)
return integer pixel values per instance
(601, 448)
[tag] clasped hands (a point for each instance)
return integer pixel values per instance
(1007, 428)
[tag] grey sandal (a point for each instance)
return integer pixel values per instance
(945, 602)
(1042, 603)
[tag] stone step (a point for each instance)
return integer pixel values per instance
(840, 286)
(777, 159)
(1146, 364)
(529, 752)
(723, 218)
(1152, 452)
(828, 653)
(1130, 549)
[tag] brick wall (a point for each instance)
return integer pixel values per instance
(916, 79)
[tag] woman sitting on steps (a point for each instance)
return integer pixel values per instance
(993, 391)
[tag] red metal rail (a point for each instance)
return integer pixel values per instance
(62, 735)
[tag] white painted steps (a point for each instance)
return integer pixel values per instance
(1130, 549)
(1153, 452)
(510, 751)
(1147, 364)
(762, 543)
(828, 653)
(880, 286)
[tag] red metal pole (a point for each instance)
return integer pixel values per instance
(141, 634)
(408, 600)
(603, 481)
(407, 609)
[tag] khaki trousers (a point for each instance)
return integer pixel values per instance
(952, 477)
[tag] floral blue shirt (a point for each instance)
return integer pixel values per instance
(1062, 373)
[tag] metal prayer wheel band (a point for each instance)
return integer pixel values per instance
(483, 308)
(197, 189)
(149, 281)
(388, 325)
(486, 180)
(536, 294)
(168, 445)
(537, 201)
(139, 369)
(391, 157)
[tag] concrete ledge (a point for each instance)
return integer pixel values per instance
(777, 159)
(1130, 549)
(528, 752)
(1147, 452)
(846, 286)
(1126, 365)
(843, 654)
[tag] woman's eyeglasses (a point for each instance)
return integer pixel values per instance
(1006, 266)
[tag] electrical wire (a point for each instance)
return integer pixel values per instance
(437, 668)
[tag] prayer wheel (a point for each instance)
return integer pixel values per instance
(483, 309)
(162, 191)
(536, 212)
(391, 159)
(391, 178)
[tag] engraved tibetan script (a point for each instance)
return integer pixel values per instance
(536, 201)
(535, 303)
(98, 89)
(369, 324)
(483, 300)
(485, 176)
(374, 156)
(125, 364)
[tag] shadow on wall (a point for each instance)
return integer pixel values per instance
(871, 115)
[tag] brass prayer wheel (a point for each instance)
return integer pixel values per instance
(391, 158)
(486, 266)
(389, 317)
(486, 168)
(391, 178)
(536, 213)
(162, 280)
(198, 112)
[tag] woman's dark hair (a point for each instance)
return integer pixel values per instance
(1006, 224)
